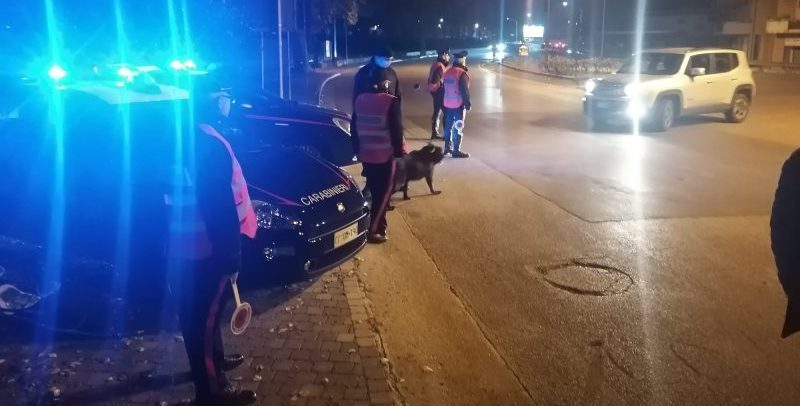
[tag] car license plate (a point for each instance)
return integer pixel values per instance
(346, 235)
(603, 105)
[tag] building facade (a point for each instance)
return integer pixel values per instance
(768, 30)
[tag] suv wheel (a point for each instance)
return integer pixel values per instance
(739, 110)
(664, 115)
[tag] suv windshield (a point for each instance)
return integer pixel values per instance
(654, 64)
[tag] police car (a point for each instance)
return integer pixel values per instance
(96, 174)
(278, 122)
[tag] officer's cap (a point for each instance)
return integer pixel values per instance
(383, 50)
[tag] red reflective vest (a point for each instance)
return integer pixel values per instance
(372, 126)
(435, 86)
(452, 87)
(244, 207)
(188, 233)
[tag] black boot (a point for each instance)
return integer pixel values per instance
(232, 361)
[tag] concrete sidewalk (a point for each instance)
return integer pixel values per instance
(312, 343)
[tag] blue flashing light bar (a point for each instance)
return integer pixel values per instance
(57, 73)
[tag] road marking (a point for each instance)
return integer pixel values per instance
(325, 83)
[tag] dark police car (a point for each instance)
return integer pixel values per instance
(96, 178)
(321, 132)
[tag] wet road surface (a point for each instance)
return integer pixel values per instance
(610, 268)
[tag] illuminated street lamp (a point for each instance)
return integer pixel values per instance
(441, 20)
(565, 4)
(477, 26)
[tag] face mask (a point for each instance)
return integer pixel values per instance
(383, 62)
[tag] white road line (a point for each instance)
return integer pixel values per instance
(325, 83)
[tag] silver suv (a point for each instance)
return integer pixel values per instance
(660, 85)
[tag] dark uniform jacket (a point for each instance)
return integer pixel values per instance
(785, 233)
(365, 81)
(215, 200)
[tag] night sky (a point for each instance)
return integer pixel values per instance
(400, 15)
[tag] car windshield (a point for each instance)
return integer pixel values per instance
(654, 64)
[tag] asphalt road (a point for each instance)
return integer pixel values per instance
(606, 268)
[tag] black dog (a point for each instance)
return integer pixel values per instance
(417, 165)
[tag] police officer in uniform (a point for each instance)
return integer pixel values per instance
(376, 71)
(456, 103)
(785, 233)
(377, 127)
(435, 86)
(209, 210)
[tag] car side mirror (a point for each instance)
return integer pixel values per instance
(697, 72)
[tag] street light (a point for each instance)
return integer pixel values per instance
(477, 26)
(565, 4)
(441, 20)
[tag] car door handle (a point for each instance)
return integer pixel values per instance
(734, 80)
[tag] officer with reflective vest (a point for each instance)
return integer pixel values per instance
(210, 209)
(378, 132)
(456, 103)
(435, 86)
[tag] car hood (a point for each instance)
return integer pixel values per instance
(261, 105)
(291, 177)
(311, 110)
(627, 78)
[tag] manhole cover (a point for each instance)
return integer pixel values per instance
(587, 278)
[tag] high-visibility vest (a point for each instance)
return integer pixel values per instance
(188, 234)
(248, 224)
(435, 86)
(452, 87)
(372, 126)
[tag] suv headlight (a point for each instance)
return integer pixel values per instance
(590, 85)
(343, 124)
(632, 89)
(272, 217)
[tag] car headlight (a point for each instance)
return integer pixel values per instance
(343, 124)
(590, 85)
(272, 217)
(636, 109)
(632, 90)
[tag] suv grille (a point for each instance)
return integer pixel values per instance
(609, 89)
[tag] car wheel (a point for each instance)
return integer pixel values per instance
(739, 109)
(664, 116)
